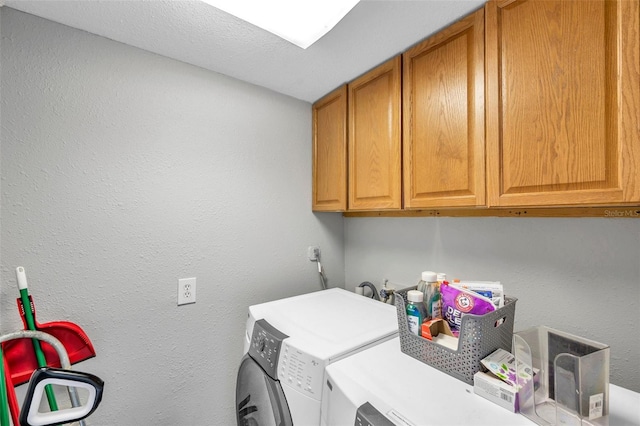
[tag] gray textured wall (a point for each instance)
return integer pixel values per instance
(123, 171)
(577, 275)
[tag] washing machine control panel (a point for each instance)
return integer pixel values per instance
(300, 370)
(265, 346)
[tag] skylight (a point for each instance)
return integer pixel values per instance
(301, 22)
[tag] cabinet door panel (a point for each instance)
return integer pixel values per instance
(554, 129)
(374, 139)
(630, 100)
(330, 152)
(444, 117)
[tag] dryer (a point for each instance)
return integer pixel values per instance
(391, 388)
(290, 342)
(384, 387)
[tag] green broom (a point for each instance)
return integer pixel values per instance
(42, 362)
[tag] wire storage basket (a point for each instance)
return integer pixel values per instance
(480, 335)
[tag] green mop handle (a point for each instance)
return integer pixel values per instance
(31, 325)
(4, 400)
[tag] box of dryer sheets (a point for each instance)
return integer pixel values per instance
(495, 390)
(502, 381)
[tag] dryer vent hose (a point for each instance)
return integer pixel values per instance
(372, 288)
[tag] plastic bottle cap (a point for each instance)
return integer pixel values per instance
(442, 276)
(415, 296)
(429, 276)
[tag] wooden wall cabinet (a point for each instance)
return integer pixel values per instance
(375, 146)
(525, 103)
(563, 102)
(330, 152)
(443, 118)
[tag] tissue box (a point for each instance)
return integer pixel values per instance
(495, 390)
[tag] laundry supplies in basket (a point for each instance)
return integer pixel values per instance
(479, 336)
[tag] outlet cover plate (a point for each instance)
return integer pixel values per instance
(311, 253)
(186, 291)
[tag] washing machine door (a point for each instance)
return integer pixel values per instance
(260, 400)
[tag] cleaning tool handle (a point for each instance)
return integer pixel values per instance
(22, 278)
(44, 377)
(4, 400)
(24, 296)
(11, 393)
(28, 313)
(31, 324)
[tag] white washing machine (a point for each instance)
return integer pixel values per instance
(384, 387)
(290, 342)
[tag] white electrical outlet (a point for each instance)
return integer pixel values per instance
(314, 253)
(186, 291)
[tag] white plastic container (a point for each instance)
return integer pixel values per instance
(571, 385)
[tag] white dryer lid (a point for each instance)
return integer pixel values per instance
(330, 323)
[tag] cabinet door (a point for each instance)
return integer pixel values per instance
(374, 139)
(443, 118)
(330, 152)
(562, 102)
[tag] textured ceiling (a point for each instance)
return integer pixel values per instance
(198, 34)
